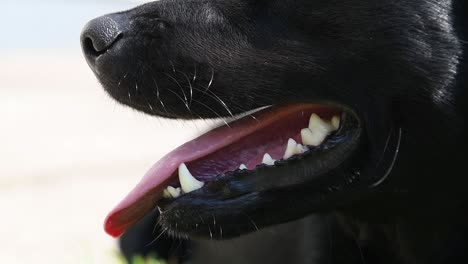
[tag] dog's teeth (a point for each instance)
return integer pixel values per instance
(313, 138)
(268, 160)
(242, 167)
(187, 181)
(300, 149)
(290, 149)
(293, 148)
(171, 192)
(318, 130)
(336, 122)
(316, 122)
(167, 194)
(174, 192)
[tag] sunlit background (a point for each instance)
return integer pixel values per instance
(68, 153)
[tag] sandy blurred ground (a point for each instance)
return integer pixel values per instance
(68, 154)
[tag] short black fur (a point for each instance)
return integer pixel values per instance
(399, 66)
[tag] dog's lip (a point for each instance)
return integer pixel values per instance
(144, 196)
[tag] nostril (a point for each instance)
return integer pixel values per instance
(92, 48)
(99, 35)
(89, 48)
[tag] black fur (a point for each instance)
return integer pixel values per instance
(398, 66)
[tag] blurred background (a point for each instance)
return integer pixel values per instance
(68, 153)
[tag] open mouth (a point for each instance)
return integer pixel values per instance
(270, 137)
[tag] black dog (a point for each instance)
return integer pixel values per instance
(388, 180)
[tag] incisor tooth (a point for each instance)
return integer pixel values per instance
(268, 160)
(242, 167)
(312, 138)
(167, 194)
(300, 149)
(187, 181)
(336, 122)
(174, 192)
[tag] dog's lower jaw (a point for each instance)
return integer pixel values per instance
(234, 203)
(228, 206)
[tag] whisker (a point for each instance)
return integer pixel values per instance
(395, 157)
(150, 106)
(194, 72)
(211, 109)
(190, 86)
(122, 79)
(143, 95)
(217, 99)
(158, 95)
(173, 67)
(254, 118)
(156, 239)
(178, 96)
(211, 233)
(178, 84)
(184, 100)
(129, 95)
(222, 103)
(211, 80)
(201, 218)
(252, 221)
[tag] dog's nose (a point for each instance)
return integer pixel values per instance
(99, 35)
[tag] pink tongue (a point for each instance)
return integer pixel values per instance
(144, 196)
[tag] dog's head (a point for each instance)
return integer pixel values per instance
(379, 74)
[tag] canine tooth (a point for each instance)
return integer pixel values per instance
(316, 123)
(336, 122)
(173, 192)
(268, 160)
(242, 167)
(313, 138)
(187, 181)
(167, 194)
